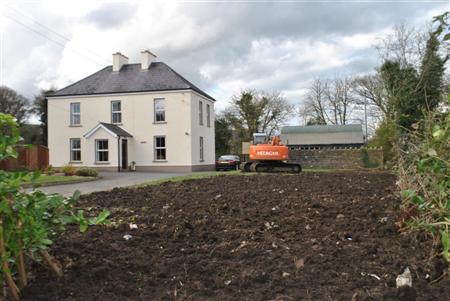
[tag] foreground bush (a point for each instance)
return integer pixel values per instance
(86, 172)
(424, 178)
(30, 222)
(423, 147)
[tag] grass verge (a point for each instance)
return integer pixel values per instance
(50, 180)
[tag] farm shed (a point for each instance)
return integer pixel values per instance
(310, 136)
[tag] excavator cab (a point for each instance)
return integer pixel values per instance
(259, 138)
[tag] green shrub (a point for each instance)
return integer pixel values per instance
(68, 170)
(368, 163)
(385, 137)
(48, 170)
(30, 221)
(87, 172)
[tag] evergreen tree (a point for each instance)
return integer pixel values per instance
(431, 75)
(14, 104)
(401, 84)
(41, 109)
(223, 135)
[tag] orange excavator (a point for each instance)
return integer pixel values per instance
(269, 156)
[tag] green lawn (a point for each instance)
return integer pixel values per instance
(53, 179)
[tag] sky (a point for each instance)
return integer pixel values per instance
(221, 46)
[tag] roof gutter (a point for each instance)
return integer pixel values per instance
(127, 93)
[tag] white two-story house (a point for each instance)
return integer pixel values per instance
(144, 115)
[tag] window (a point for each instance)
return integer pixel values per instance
(101, 151)
(200, 112)
(116, 111)
(160, 113)
(75, 115)
(75, 149)
(160, 148)
(201, 149)
(208, 115)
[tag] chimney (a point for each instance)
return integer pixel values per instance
(146, 59)
(118, 61)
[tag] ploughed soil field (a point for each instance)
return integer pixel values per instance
(312, 236)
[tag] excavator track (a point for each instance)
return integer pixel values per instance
(271, 167)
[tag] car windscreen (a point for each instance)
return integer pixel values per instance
(229, 158)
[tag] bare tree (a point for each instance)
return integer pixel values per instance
(370, 90)
(276, 112)
(260, 111)
(340, 100)
(329, 101)
(314, 108)
(405, 45)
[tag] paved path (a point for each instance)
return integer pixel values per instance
(108, 181)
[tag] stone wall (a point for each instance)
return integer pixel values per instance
(337, 157)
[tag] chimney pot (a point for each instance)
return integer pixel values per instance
(119, 60)
(146, 59)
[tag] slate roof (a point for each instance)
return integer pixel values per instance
(116, 129)
(130, 78)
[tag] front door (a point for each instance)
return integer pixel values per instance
(124, 154)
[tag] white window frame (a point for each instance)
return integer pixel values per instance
(208, 115)
(156, 148)
(118, 112)
(200, 112)
(73, 113)
(72, 149)
(202, 149)
(97, 151)
(156, 111)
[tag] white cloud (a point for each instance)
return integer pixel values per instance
(220, 47)
(286, 63)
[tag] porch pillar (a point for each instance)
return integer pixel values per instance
(118, 153)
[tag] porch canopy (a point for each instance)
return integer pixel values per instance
(115, 131)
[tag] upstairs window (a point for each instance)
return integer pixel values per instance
(208, 115)
(101, 150)
(159, 107)
(160, 148)
(200, 112)
(75, 149)
(75, 113)
(116, 111)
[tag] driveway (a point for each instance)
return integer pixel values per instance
(109, 180)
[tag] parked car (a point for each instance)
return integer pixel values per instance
(228, 162)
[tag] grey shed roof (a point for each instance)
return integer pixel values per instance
(323, 129)
(116, 129)
(130, 78)
(322, 135)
